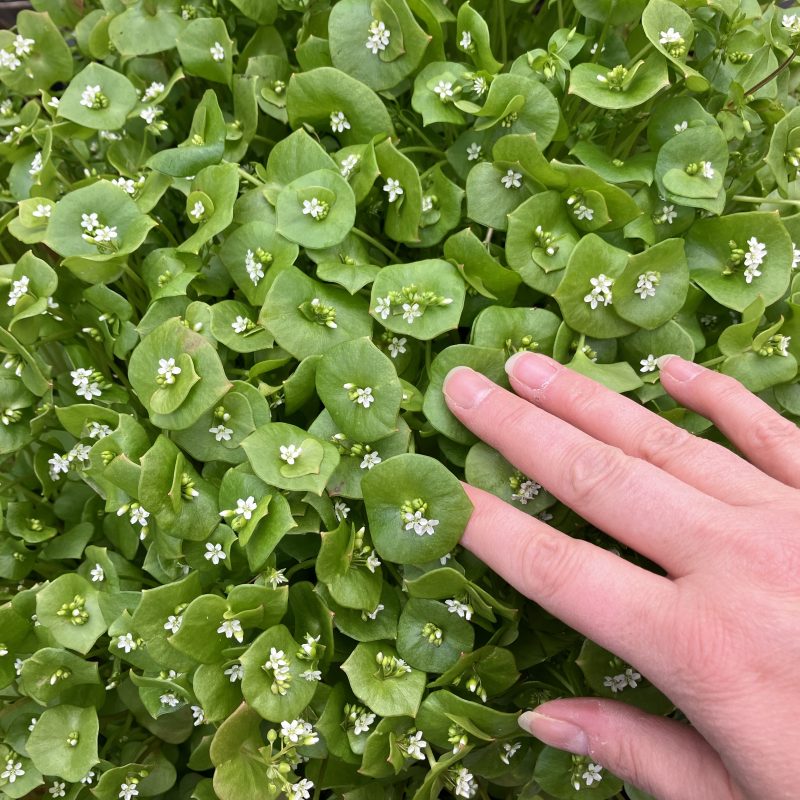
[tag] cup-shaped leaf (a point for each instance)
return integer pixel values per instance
(693, 149)
(142, 30)
(398, 695)
(56, 607)
(99, 98)
(403, 192)
(391, 491)
(494, 191)
(436, 87)
(594, 83)
(316, 210)
(50, 743)
(221, 184)
(234, 325)
(206, 49)
(360, 388)
(173, 340)
(472, 33)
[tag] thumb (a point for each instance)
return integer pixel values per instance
(666, 758)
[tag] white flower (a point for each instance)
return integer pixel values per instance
(18, 289)
(582, 211)
(88, 390)
(378, 37)
(466, 785)
(217, 51)
(173, 623)
(221, 433)
(383, 307)
(98, 430)
(509, 750)
(373, 562)
(214, 553)
(22, 46)
(362, 722)
(311, 675)
(512, 180)
(18, 664)
(42, 211)
(339, 123)
(370, 460)
(397, 346)
(298, 730)
(239, 325)
(127, 791)
(97, 574)
(707, 169)
(234, 672)
(167, 368)
(314, 208)
(289, 453)
(427, 203)
(58, 789)
(629, 678)
(415, 746)
(88, 778)
(89, 221)
(255, 269)
(89, 96)
(12, 771)
(169, 699)
(668, 214)
(127, 184)
(393, 188)
(444, 90)
(245, 507)
(377, 610)
(420, 525)
(54, 102)
(791, 22)
(150, 114)
(348, 165)
(462, 609)
(36, 165)
(528, 489)
(126, 642)
(153, 91)
(364, 396)
(646, 285)
(681, 126)
(232, 629)
(410, 312)
(648, 364)
(474, 152)
(197, 211)
(466, 40)
(479, 85)
(795, 256)
(9, 60)
(105, 233)
(669, 36)
(592, 774)
(139, 515)
(600, 292)
(302, 789)
(199, 715)
(340, 510)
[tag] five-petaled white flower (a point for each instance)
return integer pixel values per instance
(397, 346)
(42, 210)
(463, 610)
(198, 715)
(58, 789)
(668, 214)
(512, 180)
(707, 169)
(370, 460)
(474, 151)
(466, 785)
(18, 289)
(235, 672)
(197, 211)
(217, 51)
(754, 258)
(240, 324)
(527, 491)
(378, 37)
(466, 40)
(168, 370)
(314, 207)
(348, 165)
(302, 789)
(80, 375)
(373, 562)
(127, 791)
(255, 269)
(214, 553)
(245, 507)
(173, 623)
(340, 510)
(150, 114)
(648, 364)
(419, 524)
(90, 95)
(383, 307)
(12, 771)
(232, 628)
(582, 211)
(289, 453)
(139, 515)
(791, 22)
(97, 573)
(600, 292)
(362, 722)
(23, 46)
(479, 85)
(88, 390)
(36, 165)
(126, 642)
(410, 312)
(58, 464)
(592, 774)
(444, 90)
(153, 91)
(415, 746)
(221, 433)
(9, 60)
(393, 188)
(99, 430)
(339, 122)
(169, 699)
(646, 285)
(669, 36)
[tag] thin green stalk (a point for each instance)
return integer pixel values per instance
(641, 53)
(746, 198)
(430, 150)
(248, 177)
(377, 245)
(503, 34)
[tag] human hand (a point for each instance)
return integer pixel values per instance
(720, 634)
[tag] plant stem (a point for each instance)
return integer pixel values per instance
(503, 34)
(377, 245)
(248, 177)
(746, 198)
(713, 362)
(638, 55)
(430, 150)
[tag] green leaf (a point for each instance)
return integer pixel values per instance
(592, 83)
(435, 90)
(143, 30)
(56, 605)
(220, 183)
(51, 747)
(398, 695)
(479, 48)
(113, 103)
(402, 480)
(680, 153)
(404, 213)
(482, 272)
(206, 50)
(558, 772)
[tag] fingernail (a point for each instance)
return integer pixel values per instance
(679, 368)
(556, 732)
(465, 388)
(532, 370)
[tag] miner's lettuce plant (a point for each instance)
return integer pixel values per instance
(243, 243)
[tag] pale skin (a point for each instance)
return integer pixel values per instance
(720, 633)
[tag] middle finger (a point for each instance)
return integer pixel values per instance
(644, 507)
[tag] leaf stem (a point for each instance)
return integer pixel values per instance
(430, 150)
(746, 198)
(376, 244)
(250, 178)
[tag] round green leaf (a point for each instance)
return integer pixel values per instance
(67, 593)
(113, 101)
(592, 82)
(50, 744)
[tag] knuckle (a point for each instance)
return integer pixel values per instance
(662, 444)
(769, 431)
(549, 563)
(590, 469)
(509, 413)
